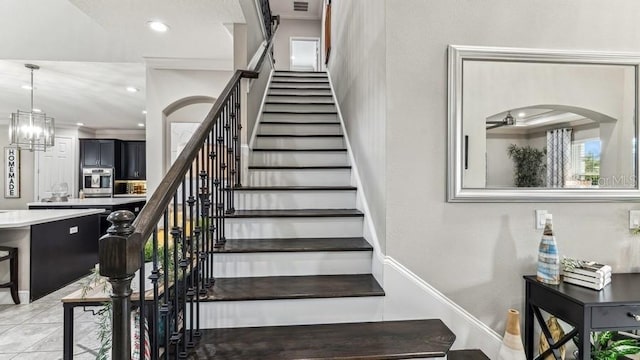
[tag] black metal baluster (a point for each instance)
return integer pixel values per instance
(223, 166)
(175, 236)
(156, 301)
(183, 270)
(211, 229)
(193, 248)
(166, 306)
(228, 148)
(142, 315)
(239, 140)
(206, 204)
(198, 234)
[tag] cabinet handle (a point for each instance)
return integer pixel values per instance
(635, 316)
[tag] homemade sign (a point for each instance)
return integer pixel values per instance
(11, 172)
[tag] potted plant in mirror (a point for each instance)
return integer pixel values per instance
(530, 165)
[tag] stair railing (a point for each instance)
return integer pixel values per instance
(177, 231)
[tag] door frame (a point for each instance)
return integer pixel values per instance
(73, 191)
(305, 38)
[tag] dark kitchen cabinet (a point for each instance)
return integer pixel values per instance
(134, 160)
(98, 153)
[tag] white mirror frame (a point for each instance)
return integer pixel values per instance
(455, 158)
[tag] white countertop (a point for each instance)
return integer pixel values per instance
(89, 202)
(21, 218)
(137, 196)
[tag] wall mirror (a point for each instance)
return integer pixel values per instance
(542, 125)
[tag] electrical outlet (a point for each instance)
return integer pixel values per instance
(540, 218)
(634, 219)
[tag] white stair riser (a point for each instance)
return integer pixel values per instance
(299, 117)
(300, 91)
(226, 314)
(323, 99)
(300, 143)
(301, 73)
(303, 177)
(293, 227)
(299, 158)
(297, 85)
(295, 199)
(292, 263)
(294, 79)
(304, 129)
(300, 107)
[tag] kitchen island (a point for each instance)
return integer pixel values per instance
(109, 205)
(55, 247)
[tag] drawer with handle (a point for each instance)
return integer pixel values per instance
(613, 317)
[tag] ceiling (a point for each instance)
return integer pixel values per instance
(284, 8)
(89, 51)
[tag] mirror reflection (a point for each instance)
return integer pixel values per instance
(551, 125)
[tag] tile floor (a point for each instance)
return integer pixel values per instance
(34, 331)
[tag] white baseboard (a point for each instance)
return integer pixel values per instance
(5, 297)
(410, 297)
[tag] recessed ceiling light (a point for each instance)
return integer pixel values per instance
(158, 26)
(26, 87)
(80, 124)
(132, 89)
(144, 112)
(141, 124)
(36, 110)
(521, 114)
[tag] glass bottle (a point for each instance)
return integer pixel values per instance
(548, 258)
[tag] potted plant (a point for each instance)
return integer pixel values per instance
(530, 165)
(608, 345)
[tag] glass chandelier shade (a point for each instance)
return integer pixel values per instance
(31, 130)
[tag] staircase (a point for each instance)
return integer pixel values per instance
(293, 280)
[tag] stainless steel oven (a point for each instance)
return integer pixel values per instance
(97, 182)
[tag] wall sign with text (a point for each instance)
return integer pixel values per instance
(11, 172)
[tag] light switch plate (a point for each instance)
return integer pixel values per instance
(634, 219)
(73, 230)
(540, 218)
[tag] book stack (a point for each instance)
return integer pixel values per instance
(589, 274)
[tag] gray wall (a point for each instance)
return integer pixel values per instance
(291, 28)
(476, 254)
(357, 66)
(255, 37)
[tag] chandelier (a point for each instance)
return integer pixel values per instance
(32, 130)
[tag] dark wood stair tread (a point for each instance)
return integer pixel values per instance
(318, 167)
(297, 149)
(310, 122)
(298, 103)
(297, 94)
(299, 82)
(294, 245)
(296, 188)
(296, 112)
(298, 88)
(302, 135)
(466, 355)
(347, 341)
(296, 213)
(293, 287)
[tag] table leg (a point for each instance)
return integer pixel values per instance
(67, 352)
(584, 345)
(528, 325)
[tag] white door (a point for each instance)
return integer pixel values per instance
(57, 165)
(305, 54)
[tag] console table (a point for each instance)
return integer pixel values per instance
(616, 307)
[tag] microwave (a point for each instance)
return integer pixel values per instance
(97, 182)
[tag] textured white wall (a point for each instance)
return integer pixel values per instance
(477, 253)
(357, 65)
(291, 28)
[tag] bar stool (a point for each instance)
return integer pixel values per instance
(11, 254)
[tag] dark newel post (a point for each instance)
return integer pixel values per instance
(119, 255)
